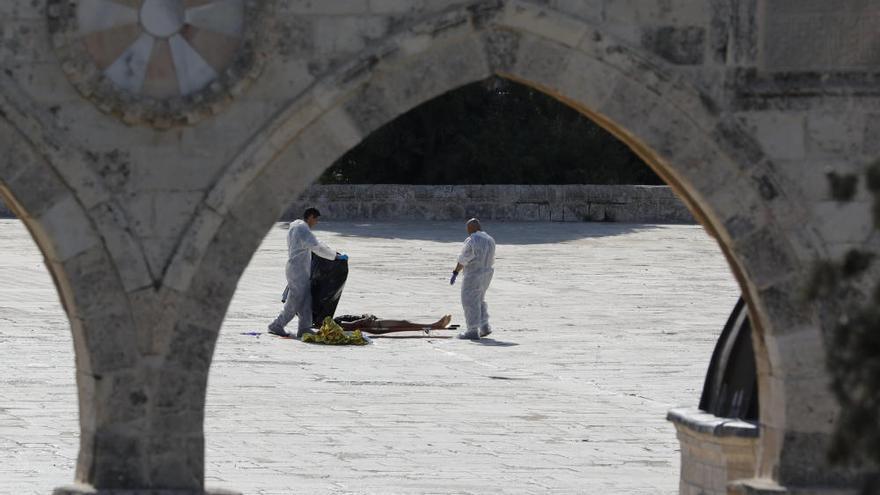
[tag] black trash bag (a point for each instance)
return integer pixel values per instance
(328, 278)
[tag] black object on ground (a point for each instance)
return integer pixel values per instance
(328, 279)
(731, 387)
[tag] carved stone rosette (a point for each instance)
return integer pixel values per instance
(161, 63)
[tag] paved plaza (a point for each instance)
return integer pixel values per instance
(600, 329)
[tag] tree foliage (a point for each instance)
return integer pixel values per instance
(491, 132)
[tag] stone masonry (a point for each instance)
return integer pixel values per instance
(714, 451)
(538, 203)
(545, 203)
(148, 155)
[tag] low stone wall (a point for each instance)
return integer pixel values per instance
(563, 203)
(547, 203)
(714, 451)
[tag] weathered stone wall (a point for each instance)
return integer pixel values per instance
(551, 203)
(548, 203)
(149, 201)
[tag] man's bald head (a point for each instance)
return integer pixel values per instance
(473, 225)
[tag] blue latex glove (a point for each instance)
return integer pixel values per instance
(342, 257)
(452, 280)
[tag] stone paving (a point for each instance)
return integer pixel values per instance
(600, 329)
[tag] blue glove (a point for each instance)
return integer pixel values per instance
(452, 280)
(342, 257)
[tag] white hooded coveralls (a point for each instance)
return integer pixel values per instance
(301, 243)
(478, 258)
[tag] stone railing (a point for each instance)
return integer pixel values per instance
(554, 203)
(557, 203)
(714, 451)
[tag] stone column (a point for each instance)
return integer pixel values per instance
(142, 370)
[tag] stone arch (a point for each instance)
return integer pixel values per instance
(81, 233)
(702, 152)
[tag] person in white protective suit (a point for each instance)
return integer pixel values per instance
(301, 243)
(477, 259)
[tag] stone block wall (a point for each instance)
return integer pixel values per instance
(530, 203)
(714, 451)
(520, 203)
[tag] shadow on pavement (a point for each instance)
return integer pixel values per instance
(423, 336)
(483, 341)
(494, 343)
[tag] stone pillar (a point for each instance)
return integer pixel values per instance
(142, 376)
(142, 395)
(142, 425)
(141, 369)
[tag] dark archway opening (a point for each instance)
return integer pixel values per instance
(494, 131)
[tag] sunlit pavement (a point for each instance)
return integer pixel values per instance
(599, 329)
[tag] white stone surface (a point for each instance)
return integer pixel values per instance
(129, 70)
(193, 72)
(600, 329)
(162, 18)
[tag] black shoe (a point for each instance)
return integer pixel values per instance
(485, 331)
(279, 332)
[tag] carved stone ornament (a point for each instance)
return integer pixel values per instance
(159, 62)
